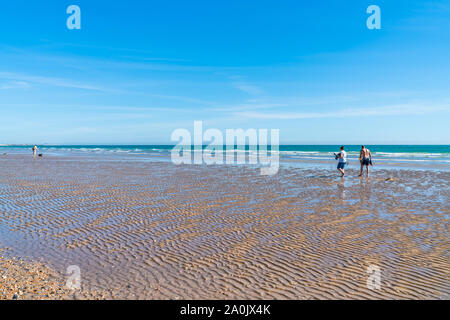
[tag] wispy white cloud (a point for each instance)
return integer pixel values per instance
(247, 88)
(335, 101)
(14, 85)
(239, 82)
(50, 81)
(249, 106)
(180, 98)
(395, 110)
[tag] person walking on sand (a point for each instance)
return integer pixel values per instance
(365, 157)
(342, 156)
(34, 150)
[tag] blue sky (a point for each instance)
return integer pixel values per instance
(137, 70)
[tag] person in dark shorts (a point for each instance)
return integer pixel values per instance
(365, 156)
(342, 156)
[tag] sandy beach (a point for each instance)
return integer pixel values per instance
(25, 280)
(152, 230)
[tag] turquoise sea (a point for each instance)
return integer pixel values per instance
(405, 153)
(382, 150)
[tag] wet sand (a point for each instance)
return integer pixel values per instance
(153, 230)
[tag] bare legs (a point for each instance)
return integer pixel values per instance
(361, 171)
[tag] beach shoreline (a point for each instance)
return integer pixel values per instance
(153, 230)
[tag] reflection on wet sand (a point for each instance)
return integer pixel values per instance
(341, 190)
(156, 230)
(364, 189)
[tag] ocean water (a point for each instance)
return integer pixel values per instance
(400, 154)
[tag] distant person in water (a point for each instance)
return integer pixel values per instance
(342, 160)
(34, 150)
(365, 157)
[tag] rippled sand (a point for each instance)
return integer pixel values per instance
(158, 231)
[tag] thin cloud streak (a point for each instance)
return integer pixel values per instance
(247, 88)
(362, 112)
(50, 81)
(14, 85)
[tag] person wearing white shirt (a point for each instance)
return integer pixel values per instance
(342, 156)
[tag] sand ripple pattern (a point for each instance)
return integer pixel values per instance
(158, 231)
